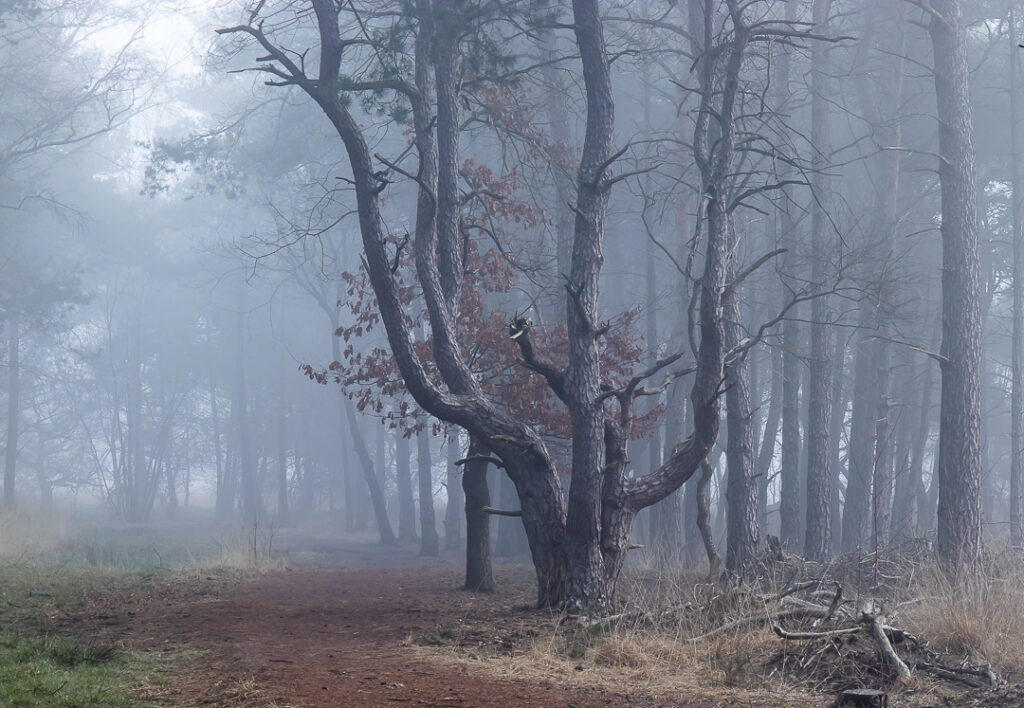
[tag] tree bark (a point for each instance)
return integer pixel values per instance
(883, 483)
(703, 518)
(252, 499)
(860, 462)
(373, 483)
(818, 533)
(789, 462)
(403, 477)
(959, 459)
(479, 577)
(741, 487)
(455, 507)
(766, 451)
(429, 542)
(1017, 351)
(836, 424)
(13, 409)
(283, 515)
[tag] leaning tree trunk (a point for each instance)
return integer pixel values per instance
(959, 459)
(380, 509)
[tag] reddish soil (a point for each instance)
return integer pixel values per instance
(318, 636)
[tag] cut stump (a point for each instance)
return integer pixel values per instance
(862, 698)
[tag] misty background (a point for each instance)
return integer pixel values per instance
(180, 243)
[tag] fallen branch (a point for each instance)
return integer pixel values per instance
(890, 655)
(501, 512)
(814, 635)
(480, 458)
(836, 599)
(963, 675)
(757, 619)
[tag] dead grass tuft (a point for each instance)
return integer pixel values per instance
(981, 620)
(647, 650)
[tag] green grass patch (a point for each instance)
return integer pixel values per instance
(35, 593)
(65, 672)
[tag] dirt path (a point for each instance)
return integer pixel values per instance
(328, 637)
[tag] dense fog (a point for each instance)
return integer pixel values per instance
(190, 330)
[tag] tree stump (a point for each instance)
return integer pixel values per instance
(862, 698)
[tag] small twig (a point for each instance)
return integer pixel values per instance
(814, 635)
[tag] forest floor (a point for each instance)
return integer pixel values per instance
(347, 623)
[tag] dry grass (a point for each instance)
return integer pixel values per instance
(643, 660)
(25, 536)
(641, 664)
(647, 652)
(62, 537)
(981, 620)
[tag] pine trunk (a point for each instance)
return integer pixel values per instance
(959, 459)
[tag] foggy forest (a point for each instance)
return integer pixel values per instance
(512, 353)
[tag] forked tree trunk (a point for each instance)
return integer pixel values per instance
(577, 551)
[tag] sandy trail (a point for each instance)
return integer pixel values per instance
(334, 630)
